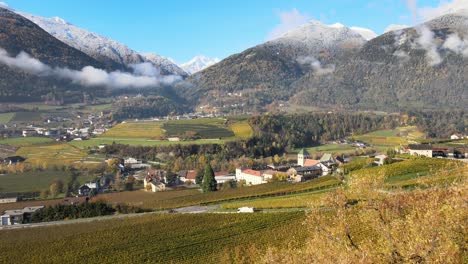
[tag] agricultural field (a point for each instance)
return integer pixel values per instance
(242, 129)
(331, 148)
(209, 128)
(30, 181)
(27, 116)
(25, 141)
(94, 142)
(407, 173)
(175, 199)
(391, 138)
(6, 117)
(146, 130)
(156, 238)
(288, 201)
(49, 155)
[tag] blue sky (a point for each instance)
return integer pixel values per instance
(182, 29)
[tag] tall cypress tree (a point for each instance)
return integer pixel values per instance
(209, 183)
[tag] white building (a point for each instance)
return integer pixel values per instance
(252, 177)
(18, 216)
(424, 150)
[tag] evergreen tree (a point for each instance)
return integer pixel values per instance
(209, 182)
(199, 176)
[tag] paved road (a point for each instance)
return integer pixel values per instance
(184, 210)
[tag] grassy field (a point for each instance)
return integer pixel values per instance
(174, 199)
(25, 141)
(147, 130)
(6, 117)
(390, 138)
(48, 155)
(166, 238)
(30, 181)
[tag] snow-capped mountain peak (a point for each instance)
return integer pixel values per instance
(100, 47)
(198, 63)
(366, 33)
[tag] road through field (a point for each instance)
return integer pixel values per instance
(184, 210)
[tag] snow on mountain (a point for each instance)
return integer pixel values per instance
(314, 36)
(394, 27)
(198, 63)
(365, 32)
(100, 47)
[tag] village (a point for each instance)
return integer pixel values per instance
(140, 176)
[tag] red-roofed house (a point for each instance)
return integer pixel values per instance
(189, 176)
(310, 162)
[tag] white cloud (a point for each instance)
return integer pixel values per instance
(144, 75)
(457, 45)
(289, 20)
(316, 65)
(444, 8)
(394, 27)
(413, 7)
(4, 5)
(426, 41)
(364, 32)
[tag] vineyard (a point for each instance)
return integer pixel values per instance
(174, 199)
(148, 130)
(48, 155)
(166, 238)
(25, 141)
(407, 172)
(389, 138)
(288, 201)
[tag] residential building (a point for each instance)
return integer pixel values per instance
(456, 136)
(18, 216)
(188, 176)
(305, 173)
(421, 150)
(13, 160)
(224, 176)
(251, 177)
(380, 160)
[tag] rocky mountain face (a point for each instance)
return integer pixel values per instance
(18, 34)
(106, 50)
(265, 73)
(425, 67)
(333, 66)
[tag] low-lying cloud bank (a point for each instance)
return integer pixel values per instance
(144, 75)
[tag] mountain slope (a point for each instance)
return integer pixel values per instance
(18, 34)
(264, 73)
(99, 47)
(198, 63)
(398, 70)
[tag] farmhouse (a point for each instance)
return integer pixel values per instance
(14, 160)
(154, 181)
(252, 177)
(188, 176)
(224, 176)
(18, 216)
(301, 174)
(456, 136)
(8, 200)
(380, 160)
(421, 150)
